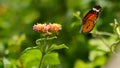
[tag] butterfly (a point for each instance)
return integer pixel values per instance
(88, 22)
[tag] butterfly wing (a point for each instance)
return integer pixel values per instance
(88, 22)
(88, 26)
(91, 15)
(89, 19)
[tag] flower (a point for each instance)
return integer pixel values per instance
(40, 27)
(47, 29)
(54, 27)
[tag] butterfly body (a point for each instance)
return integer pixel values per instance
(89, 19)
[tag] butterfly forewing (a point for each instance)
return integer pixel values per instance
(90, 16)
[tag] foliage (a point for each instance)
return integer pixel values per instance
(17, 39)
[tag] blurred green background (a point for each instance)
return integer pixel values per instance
(17, 18)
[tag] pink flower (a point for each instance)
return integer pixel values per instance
(47, 29)
(40, 28)
(54, 27)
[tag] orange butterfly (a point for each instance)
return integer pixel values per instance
(89, 19)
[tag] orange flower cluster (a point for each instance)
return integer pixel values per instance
(47, 29)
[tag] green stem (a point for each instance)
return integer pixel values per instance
(44, 47)
(116, 27)
(41, 61)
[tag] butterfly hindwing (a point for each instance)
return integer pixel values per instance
(88, 26)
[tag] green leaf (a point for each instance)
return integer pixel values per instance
(57, 47)
(80, 64)
(93, 54)
(31, 57)
(100, 60)
(52, 59)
